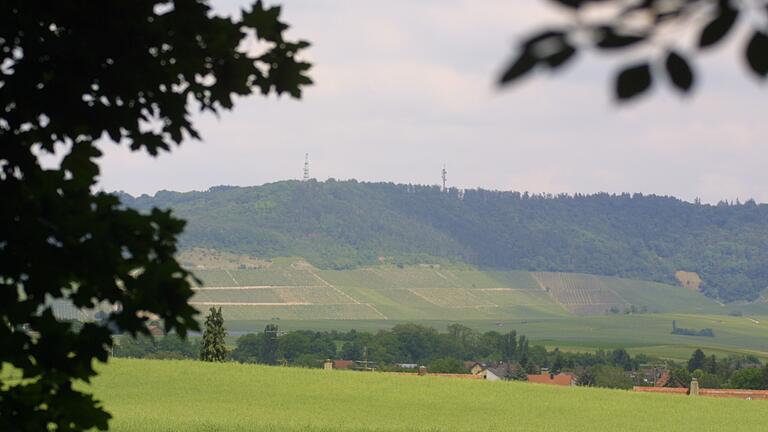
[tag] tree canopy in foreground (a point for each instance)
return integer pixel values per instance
(127, 71)
(655, 32)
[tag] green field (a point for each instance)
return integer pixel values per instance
(161, 395)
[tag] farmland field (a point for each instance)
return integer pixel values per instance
(431, 292)
(566, 309)
(162, 395)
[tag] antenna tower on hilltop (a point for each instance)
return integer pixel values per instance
(445, 178)
(306, 167)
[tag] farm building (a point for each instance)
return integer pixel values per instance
(343, 364)
(407, 365)
(474, 367)
(497, 373)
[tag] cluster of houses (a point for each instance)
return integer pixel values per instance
(498, 371)
(652, 380)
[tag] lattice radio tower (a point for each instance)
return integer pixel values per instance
(306, 167)
(445, 178)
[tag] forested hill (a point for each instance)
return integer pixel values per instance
(346, 224)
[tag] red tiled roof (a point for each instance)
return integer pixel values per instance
(342, 364)
(563, 379)
(723, 393)
(663, 380)
(444, 375)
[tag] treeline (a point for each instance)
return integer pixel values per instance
(385, 349)
(415, 344)
(706, 332)
(348, 224)
(745, 372)
(407, 345)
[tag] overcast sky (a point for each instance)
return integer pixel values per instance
(404, 86)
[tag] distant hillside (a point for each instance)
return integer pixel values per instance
(338, 225)
(292, 289)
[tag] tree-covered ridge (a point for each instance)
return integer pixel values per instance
(344, 224)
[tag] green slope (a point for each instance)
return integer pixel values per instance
(147, 395)
(342, 225)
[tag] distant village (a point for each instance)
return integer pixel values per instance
(463, 353)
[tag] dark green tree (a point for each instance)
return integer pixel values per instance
(293, 345)
(678, 378)
(213, 347)
(129, 72)
(447, 365)
(268, 353)
(517, 373)
(523, 354)
(706, 379)
(557, 364)
(611, 377)
(748, 378)
(710, 364)
(248, 348)
(508, 348)
(586, 378)
(645, 27)
(621, 358)
(697, 360)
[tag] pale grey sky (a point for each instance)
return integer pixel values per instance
(403, 87)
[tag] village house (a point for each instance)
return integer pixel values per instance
(474, 367)
(498, 372)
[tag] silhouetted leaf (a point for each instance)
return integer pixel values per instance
(679, 72)
(757, 54)
(115, 69)
(633, 81)
(610, 39)
(575, 4)
(560, 58)
(524, 63)
(718, 28)
(548, 48)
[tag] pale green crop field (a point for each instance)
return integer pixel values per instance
(157, 395)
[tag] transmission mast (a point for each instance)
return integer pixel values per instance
(306, 167)
(445, 178)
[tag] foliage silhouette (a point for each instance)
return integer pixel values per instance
(72, 73)
(641, 26)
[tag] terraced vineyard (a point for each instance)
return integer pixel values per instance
(581, 294)
(292, 289)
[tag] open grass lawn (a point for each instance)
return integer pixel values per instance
(156, 395)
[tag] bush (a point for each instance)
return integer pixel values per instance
(611, 377)
(447, 365)
(750, 378)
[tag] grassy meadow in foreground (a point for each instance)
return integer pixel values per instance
(156, 395)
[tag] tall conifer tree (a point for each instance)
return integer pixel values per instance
(212, 348)
(268, 354)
